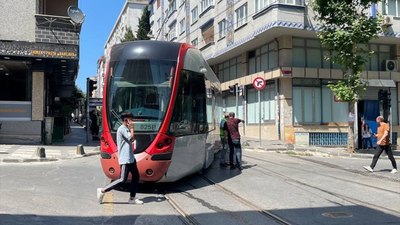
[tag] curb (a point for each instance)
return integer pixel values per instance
(29, 160)
(314, 152)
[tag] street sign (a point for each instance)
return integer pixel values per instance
(259, 83)
(95, 102)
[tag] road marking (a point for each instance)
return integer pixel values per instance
(108, 204)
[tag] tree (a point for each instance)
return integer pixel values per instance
(144, 25)
(128, 35)
(345, 30)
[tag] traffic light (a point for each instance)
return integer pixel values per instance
(92, 87)
(382, 95)
(232, 89)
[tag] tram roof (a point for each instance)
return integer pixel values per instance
(145, 49)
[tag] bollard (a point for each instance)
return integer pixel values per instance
(80, 150)
(40, 152)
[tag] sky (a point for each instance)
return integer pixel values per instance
(100, 18)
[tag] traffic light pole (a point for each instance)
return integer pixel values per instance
(87, 109)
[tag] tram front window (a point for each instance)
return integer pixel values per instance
(142, 87)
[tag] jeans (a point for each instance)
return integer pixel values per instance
(238, 150)
(367, 141)
(223, 150)
(380, 149)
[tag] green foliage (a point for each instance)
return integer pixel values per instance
(128, 35)
(144, 25)
(346, 29)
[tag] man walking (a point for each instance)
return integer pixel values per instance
(383, 144)
(126, 159)
(232, 125)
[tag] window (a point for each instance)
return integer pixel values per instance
(190, 115)
(205, 4)
(182, 26)
(261, 4)
(208, 34)
(195, 14)
(307, 105)
(376, 61)
(333, 111)
(230, 69)
(267, 104)
(15, 81)
(291, 2)
(264, 58)
(172, 32)
(241, 15)
(230, 102)
(393, 7)
(195, 42)
(222, 29)
(57, 8)
(171, 7)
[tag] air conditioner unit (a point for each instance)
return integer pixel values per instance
(391, 65)
(387, 21)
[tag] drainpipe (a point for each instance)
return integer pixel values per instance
(279, 108)
(278, 95)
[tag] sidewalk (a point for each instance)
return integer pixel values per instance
(279, 146)
(68, 149)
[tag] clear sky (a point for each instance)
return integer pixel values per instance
(100, 17)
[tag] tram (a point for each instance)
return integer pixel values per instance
(175, 99)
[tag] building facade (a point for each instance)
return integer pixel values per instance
(277, 41)
(39, 55)
(127, 19)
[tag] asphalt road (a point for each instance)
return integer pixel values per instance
(272, 189)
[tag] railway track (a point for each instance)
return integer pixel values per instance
(265, 170)
(187, 219)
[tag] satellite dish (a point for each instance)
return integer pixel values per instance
(76, 15)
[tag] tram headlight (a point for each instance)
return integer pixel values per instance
(149, 172)
(160, 145)
(111, 170)
(168, 141)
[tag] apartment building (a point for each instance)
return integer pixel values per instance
(39, 55)
(277, 41)
(127, 19)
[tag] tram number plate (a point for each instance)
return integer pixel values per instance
(148, 127)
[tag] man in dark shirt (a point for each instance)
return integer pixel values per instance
(232, 125)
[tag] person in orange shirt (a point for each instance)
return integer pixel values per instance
(383, 144)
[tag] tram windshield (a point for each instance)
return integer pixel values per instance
(142, 87)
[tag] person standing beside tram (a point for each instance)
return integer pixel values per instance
(232, 125)
(224, 140)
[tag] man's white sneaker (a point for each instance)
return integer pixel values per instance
(135, 201)
(393, 171)
(100, 195)
(368, 168)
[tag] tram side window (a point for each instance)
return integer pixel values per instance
(190, 116)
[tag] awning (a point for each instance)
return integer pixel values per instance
(381, 83)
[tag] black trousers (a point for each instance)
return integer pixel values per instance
(380, 149)
(125, 170)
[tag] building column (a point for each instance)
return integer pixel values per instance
(285, 50)
(285, 110)
(38, 97)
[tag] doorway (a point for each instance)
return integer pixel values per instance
(368, 111)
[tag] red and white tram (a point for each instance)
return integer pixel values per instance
(175, 98)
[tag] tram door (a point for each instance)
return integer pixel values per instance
(368, 110)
